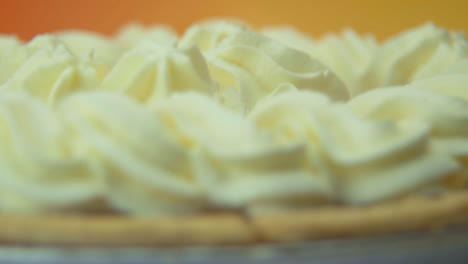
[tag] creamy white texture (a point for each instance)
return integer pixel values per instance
(133, 33)
(446, 115)
(84, 43)
(290, 37)
(287, 114)
(461, 66)
(40, 169)
(379, 160)
(367, 160)
(150, 72)
(227, 118)
(451, 84)
(7, 42)
(47, 69)
(254, 65)
(416, 54)
(207, 36)
(237, 164)
(146, 171)
(350, 56)
(15, 56)
(364, 64)
(199, 121)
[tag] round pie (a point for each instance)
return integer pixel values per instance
(226, 135)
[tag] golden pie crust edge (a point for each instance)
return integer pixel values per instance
(411, 214)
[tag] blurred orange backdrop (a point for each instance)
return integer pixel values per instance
(383, 18)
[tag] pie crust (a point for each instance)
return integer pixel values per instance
(410, 214)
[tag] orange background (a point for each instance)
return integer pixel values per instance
(383, 18)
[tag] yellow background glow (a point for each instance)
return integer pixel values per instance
(27, 18)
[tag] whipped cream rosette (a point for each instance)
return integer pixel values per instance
(419, 53)
(363, 64)
(446, 115)
(40, 167)
(349, 55)
(17, 53)
(146, 170)
(152, 71)
(253, 65)
(367, 161)
(238, 166)
(47, 69)
(382, 160)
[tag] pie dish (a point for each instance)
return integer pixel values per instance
(230, 136)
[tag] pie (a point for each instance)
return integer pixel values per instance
(230, 136)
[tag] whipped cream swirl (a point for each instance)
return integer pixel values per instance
(367, 161)
(150, 72)
(146, 171)
(254, 65)
(46, 68)
(40, 167)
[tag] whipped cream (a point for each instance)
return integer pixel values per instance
(46, 68)
(18, 53)
(84, 43)
(255, 65)
(461, 66)
(130, 35)
(350, 56)
(451, 84)
(150, 72)
(367, 161)
(128, 141)
(420, 53)
(7, 42)
(363, 64)
(40, 168)
(237, 165)
(447, 116)
(227, 118)
(290, 37)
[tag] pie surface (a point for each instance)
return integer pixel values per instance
(227, 135)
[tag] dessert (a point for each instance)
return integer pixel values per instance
(226, 135)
